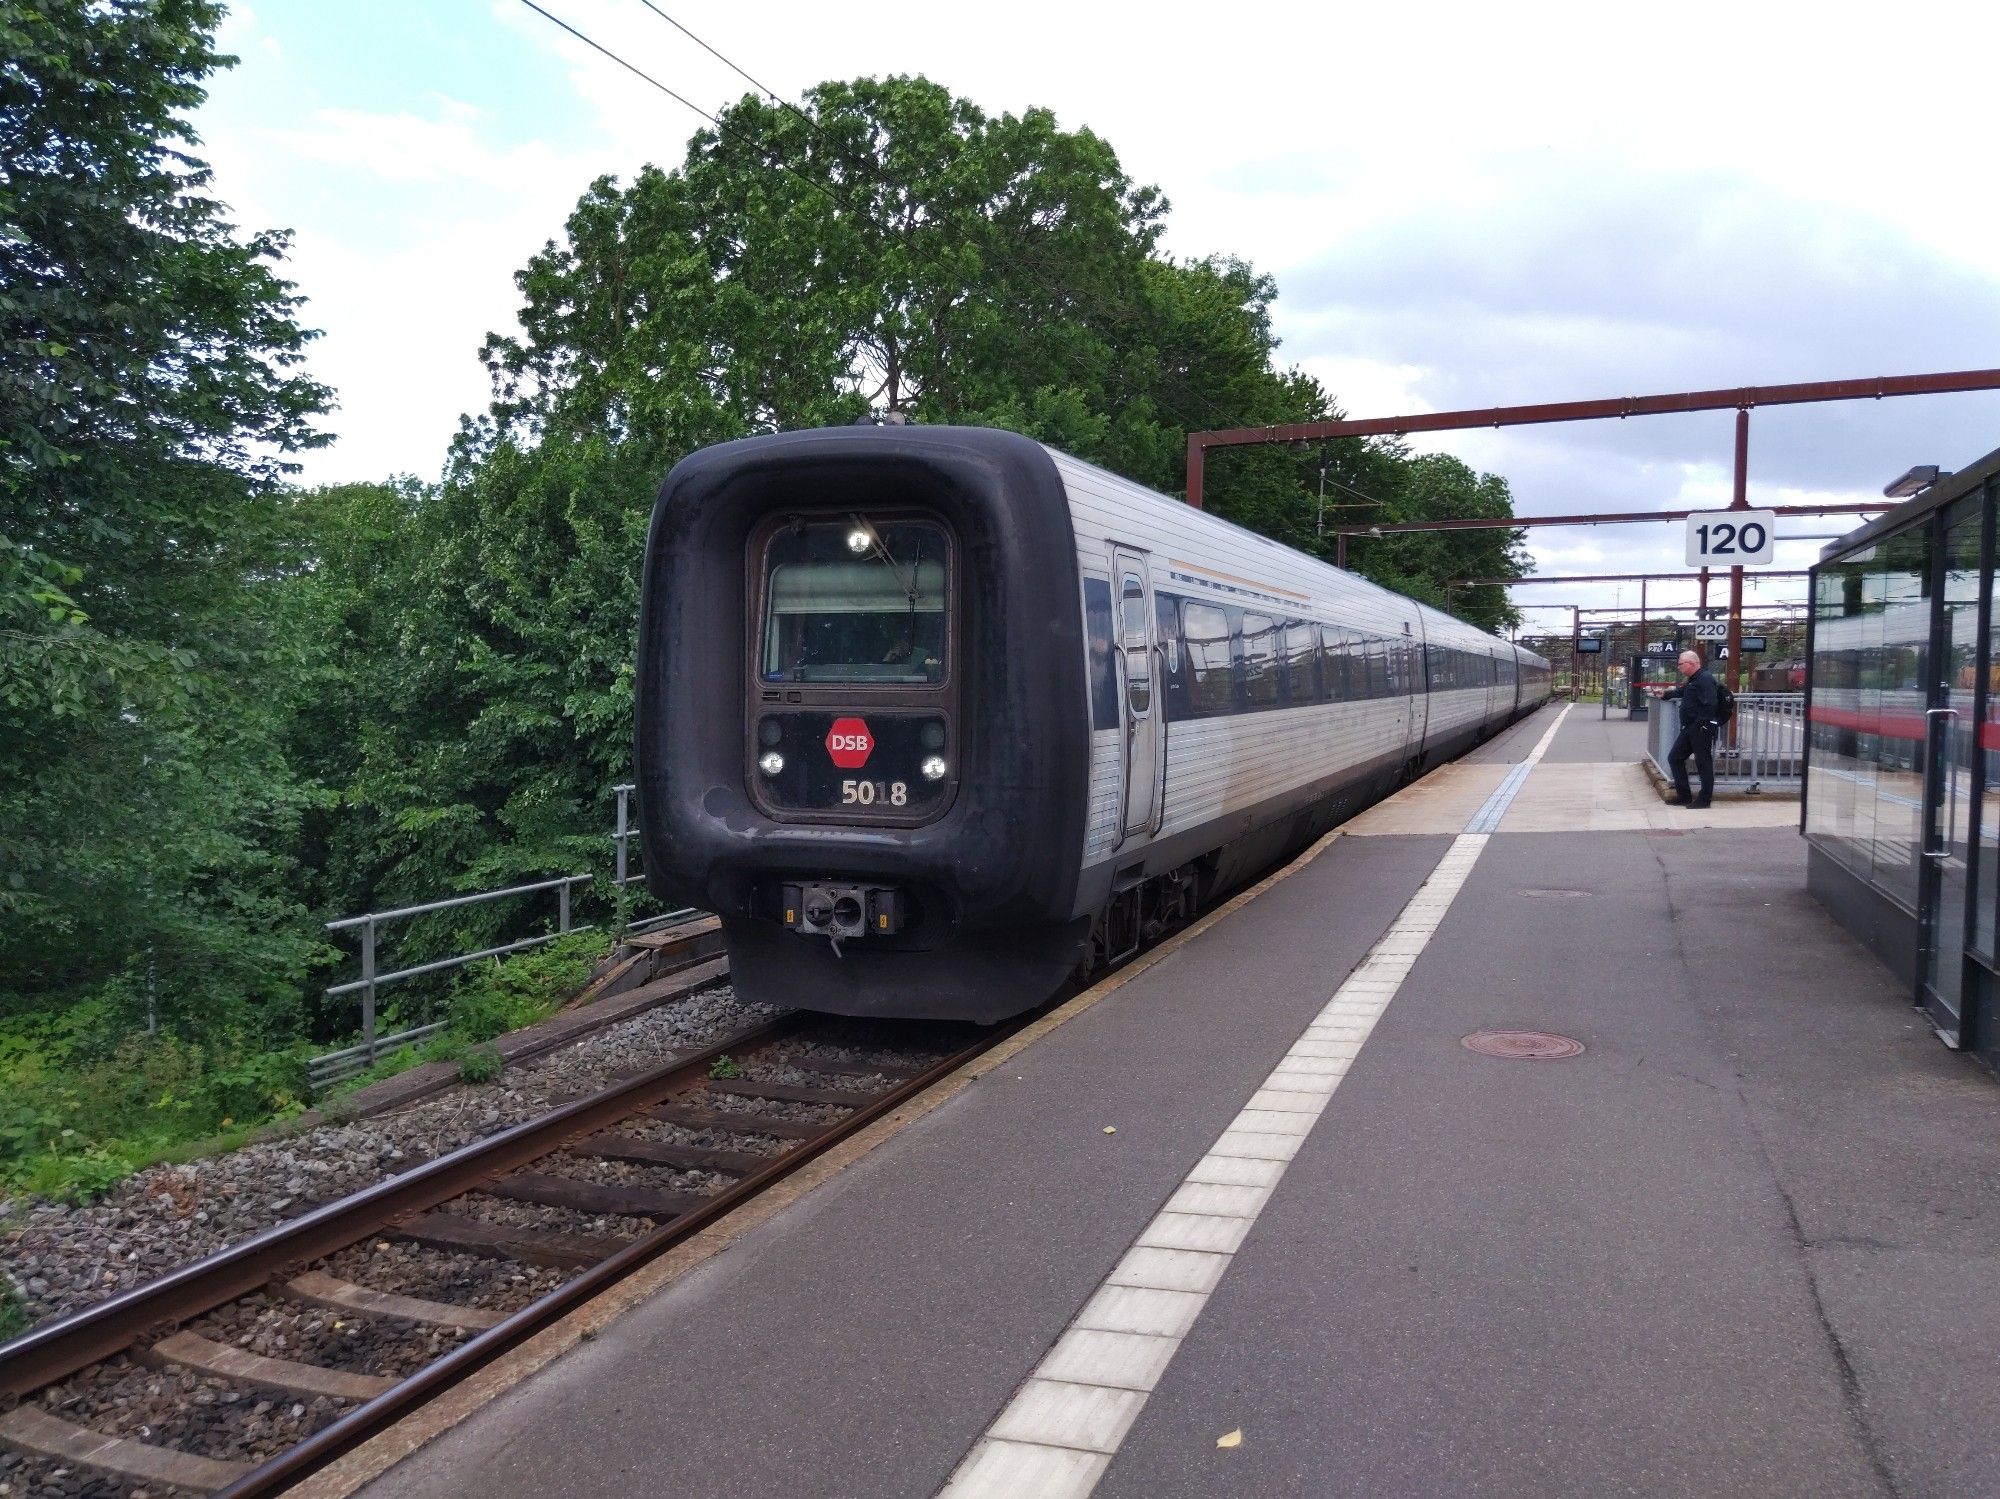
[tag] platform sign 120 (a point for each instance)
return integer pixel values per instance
(1731, 538)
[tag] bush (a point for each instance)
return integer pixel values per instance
(74, 1120)
(494, 998)
(481, 1064)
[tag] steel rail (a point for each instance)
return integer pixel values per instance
(330, 1442)
(62, 1347)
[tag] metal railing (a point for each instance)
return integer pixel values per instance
(623, 878)
(335, 1065)
(1761, 749)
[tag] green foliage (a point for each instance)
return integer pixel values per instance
(74, 1119)
(481, 1064)
(13, 1317)
(725, 1067)
(509, 993)
(148, 400)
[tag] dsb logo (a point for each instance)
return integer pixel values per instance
(849, 744)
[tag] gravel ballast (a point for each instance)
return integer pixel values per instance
(23, 1477)
(57, 1258)
(533, 1215)
(359, 1344)
(178, 1408)
(405, 1269)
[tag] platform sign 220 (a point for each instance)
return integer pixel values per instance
(1731, 538)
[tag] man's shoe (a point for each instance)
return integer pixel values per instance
(1698, 806)
(1679, 801)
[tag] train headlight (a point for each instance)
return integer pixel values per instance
(934, 767)
(857, 541)
(771, 763)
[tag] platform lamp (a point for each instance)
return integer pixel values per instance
(1915, 481)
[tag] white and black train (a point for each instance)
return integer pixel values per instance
(935, 718)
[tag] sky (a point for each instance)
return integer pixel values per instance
(1462, 204)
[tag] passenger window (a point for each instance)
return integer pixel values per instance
(1098, 643)
(1301, 662)
(1205, 629)
(1260, 661)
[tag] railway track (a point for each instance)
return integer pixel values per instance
(247, 1370)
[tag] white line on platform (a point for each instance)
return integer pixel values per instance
(1064, 1425)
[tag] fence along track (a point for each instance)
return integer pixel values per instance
(282, 1259)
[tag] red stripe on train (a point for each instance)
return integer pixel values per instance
(1910, 726)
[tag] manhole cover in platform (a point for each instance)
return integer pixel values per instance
(1523, 1046)
(1556, 894)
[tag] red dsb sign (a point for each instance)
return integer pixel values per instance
(849, 744)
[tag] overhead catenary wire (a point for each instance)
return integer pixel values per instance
(768, 92)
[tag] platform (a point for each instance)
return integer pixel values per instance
(1743, 1244)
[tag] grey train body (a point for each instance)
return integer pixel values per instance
(935, 718)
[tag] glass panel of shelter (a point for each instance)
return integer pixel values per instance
(1901, 726)
(1952, 782)
(1986, 857)
(1846, 705)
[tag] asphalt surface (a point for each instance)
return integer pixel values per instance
(1744, 1244)
(860, 1343)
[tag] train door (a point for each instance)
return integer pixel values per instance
(1145, 743)
(1418, 687)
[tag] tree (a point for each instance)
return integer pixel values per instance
(149, 400)
(1425, 564)
(883, 247)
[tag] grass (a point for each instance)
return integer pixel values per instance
(75, 1118)
(13, 1319)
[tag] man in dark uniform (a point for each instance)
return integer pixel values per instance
(1701, 717)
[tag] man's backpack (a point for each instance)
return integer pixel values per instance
(1725, 703)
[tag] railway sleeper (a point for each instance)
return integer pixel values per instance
(787, 1092)
(191, 1350)
(829, 1068)
(689, 1116)
(551, 1191)
(681, 1157)
(30, 1429)
(317, 1288)
(499, 1241)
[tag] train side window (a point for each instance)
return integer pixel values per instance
(1174, 681)
(1260, 661)
(1205, 631)
(1167, 622)
(1301, 663)
(1340, 666)
(1097, 640)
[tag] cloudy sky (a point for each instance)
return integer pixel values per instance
(1464, 205)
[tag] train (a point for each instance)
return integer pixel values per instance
(938, 720)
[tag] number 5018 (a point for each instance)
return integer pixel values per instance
(868, 793)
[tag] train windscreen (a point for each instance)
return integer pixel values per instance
(856, 601)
